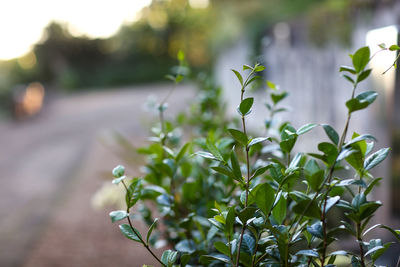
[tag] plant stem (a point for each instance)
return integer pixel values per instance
(139, 236)
(360, 244)
(248, 170)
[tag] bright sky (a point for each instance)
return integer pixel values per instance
(22, 21)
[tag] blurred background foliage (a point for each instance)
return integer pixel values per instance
(144, 50)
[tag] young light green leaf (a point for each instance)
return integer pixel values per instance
(382, 46)
(245, 106)
(247, 67)
(239, 76)
(271, 85)
(181, 55)
(259, 68)
(394, 47)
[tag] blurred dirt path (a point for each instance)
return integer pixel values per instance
(50, 168)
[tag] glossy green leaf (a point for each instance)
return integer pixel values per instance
(308, 253)
(238, 136)
(265, 198)
(184, 259)
(118, 215)
(222, 247)
(306, 128)
(360, 138)
(367, 209)
(361, 58)
(394, 47)
(288, 137)
(118, 180)
(118, 171)
(371, 185)
(363, 75)
(129, 233)
(226, 171)
(361, 101)
(376, 158)
(308, 208)
(396, 233)
(316, 229)
(258, 140)
(169, 257)
(206, 155)
(331, 201)
(235, 166)
(214, 150)
(358, 200)
(208, 259)
(230, 220)
(315, 180)
(279, 211)
(154, 224)
(246, 214)
(245, 106)
(248, 244)
(186, 246)
(260, 171)
(133, 192)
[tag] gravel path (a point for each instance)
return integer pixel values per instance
(51, 166)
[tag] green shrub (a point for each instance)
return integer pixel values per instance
(233, 198)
